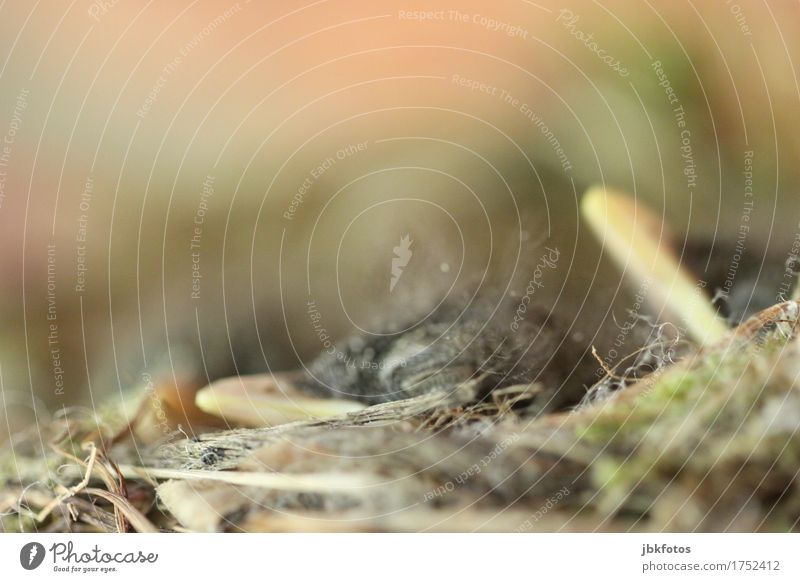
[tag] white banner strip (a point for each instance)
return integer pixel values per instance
(388, 557)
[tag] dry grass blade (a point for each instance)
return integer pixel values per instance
(137, 520)
(286, 482)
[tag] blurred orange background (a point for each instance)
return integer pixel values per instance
(309, 137)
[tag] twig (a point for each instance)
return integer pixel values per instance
(70, 491)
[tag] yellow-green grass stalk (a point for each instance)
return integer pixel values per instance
(637, 241)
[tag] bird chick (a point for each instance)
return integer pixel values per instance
(464, 350)
(451, 346)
